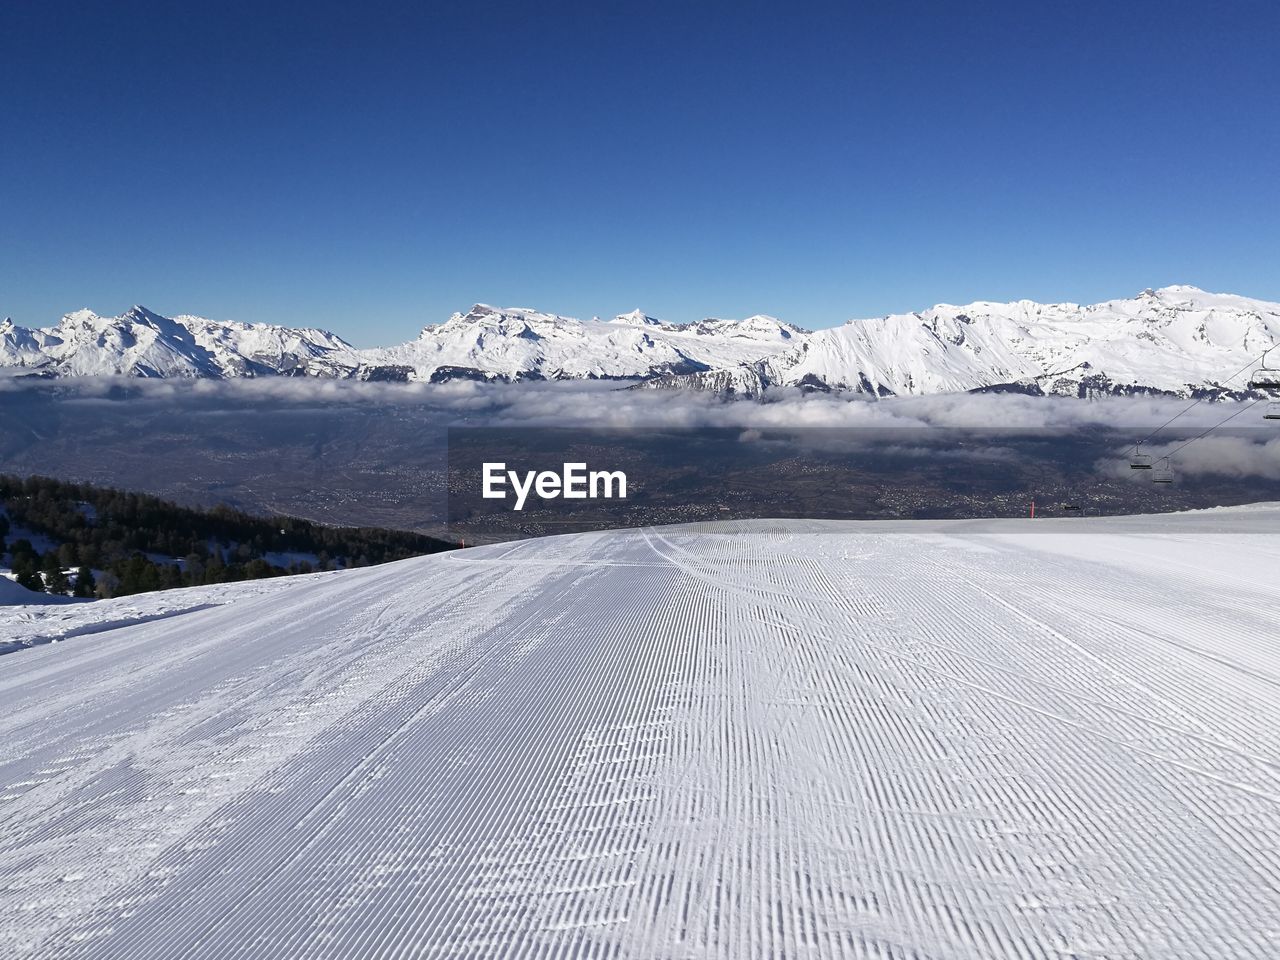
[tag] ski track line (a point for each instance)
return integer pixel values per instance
(735, 740)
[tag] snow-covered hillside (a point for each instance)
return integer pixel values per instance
(1030, 740)
(521, 344)
(144, 344)
(1178, 340)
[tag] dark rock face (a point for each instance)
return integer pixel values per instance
(682, 366)
(811, 383)
(386, 373)
(1028, 387)
(449, 374)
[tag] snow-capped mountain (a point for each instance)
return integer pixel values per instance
(523, 344)
(144, 344)
(1178, 339)
(746, 381)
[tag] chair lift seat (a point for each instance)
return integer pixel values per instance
(1265, 380)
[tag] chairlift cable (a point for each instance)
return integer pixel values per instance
(1195, 403)
(1211, 429)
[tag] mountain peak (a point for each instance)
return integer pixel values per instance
(485, 311)
(1180, 288)
(140, 314)
(637, 318)
(1178, 293)
(1176, 339)
(762, 320)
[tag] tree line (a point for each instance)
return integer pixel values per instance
(138, 542)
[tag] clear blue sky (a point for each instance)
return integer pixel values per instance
(371, 167)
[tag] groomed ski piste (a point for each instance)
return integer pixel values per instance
(1048, 739)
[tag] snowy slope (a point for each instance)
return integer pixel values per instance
(29, 619)
(141, 343)
(1177, 340)
(12, 593)
(744, 380)
(519, 344)
(735, 741)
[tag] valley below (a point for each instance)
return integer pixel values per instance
(408, 456)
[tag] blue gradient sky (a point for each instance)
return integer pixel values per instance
(369, 168)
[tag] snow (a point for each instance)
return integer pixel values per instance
(1177, 339)
(1174, 339)
(142, 343)
(27, 620)
(286, 558)
(39, 542)
(12, 593)
(739, 740)
(515, 343)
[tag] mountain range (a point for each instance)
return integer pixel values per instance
(1177, 340)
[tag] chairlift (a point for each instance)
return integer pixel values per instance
(1265, 378)
(1140, 460)
(1163, 472)
(1273, 411)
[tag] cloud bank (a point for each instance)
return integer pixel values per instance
(1252, 448)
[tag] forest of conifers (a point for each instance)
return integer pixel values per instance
(106, 543)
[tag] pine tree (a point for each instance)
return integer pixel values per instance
(85, 584)
(55, 581)
(27, 573)
(101, 529)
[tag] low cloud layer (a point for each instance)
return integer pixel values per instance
(1251, 449)
(1225, 456)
